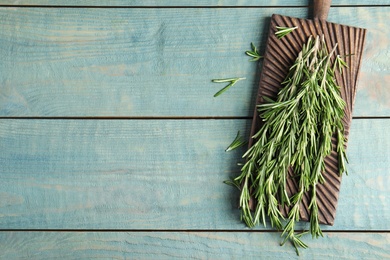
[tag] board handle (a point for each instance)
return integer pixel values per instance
(321, 9)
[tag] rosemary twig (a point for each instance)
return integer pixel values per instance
(231, 81)
(296, 135)
(283, 31)
(254, 53)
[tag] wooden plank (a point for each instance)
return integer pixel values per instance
(185, 245)
(156, 62)
(187, 3)
(158, 174)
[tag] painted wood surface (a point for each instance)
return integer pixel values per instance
(159, 174)
(157, 62)
(185, 245)
(187, 3)
(149, 186)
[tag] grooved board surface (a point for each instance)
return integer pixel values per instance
(279, 56)
(112, 145)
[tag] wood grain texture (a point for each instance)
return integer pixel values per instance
(150, 175)
(195, 3)
(157, 62)
(158, 174)
(186, 245)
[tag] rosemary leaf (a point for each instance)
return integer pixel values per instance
(283, 31)
(237, 142)
(232, 182)
(340, 63)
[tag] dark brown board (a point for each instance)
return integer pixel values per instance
(278, 58)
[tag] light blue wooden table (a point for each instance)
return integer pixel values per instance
(112, 145)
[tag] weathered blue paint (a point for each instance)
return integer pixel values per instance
(188, 3)
(184, 245)
(158, 174)
(157, 62)
(149, 175)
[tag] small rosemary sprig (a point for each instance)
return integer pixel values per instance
(283, 31)
(295, 137)
(254, 53)
(231, 81)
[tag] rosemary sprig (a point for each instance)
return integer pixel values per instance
(295, 137)
(254, 53)
(231, 81)
(283, 31)
(237, 142)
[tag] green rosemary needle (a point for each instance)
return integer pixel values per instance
(237, 142)
(232, 182)
(231, 81)
(295, 138)
(283, 31)
(340, 63)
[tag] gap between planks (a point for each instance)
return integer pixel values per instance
(185, 230)
(130, 118)
(156, 118)
(179, 7)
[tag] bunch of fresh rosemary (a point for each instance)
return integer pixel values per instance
(295, 135)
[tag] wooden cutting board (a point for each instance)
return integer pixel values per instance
(278, 58)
